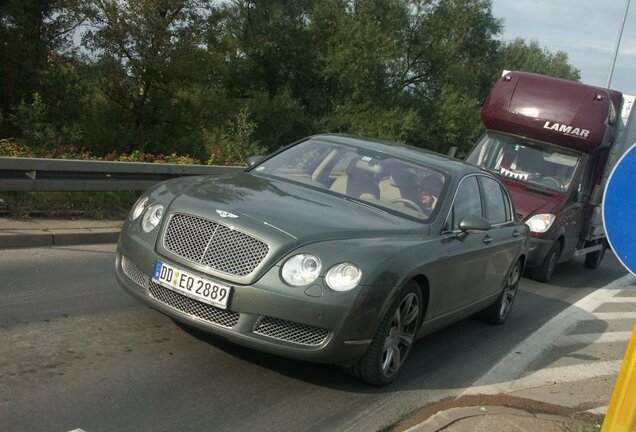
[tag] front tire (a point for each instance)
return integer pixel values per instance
(393, 340)
(497, 312)
(593, 259)
(544, 272)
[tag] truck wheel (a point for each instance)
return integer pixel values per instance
(544, 272)
(393, 340)
(497, 312)
(593, 259)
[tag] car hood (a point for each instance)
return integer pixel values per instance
(530, 200)
(283, 215)
(294, 211)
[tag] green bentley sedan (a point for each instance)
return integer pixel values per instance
(333, 249)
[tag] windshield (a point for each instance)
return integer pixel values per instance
(361, 174)
(525, 161)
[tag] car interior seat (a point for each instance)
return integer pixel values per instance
(400, 184)
(359, 180)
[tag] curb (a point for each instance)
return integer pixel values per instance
(443, 419)
(17, 239)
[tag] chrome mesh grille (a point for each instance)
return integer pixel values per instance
(220, 317)
(214, 245)
(133, 272)
(290, 331)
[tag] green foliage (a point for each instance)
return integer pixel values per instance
(531, 57)
(90, 205)
(36, 44)
(395, 124)
(9, 148)
(454, 120)
(219, 81)
(234, 142)
(279, 120)
(36, 131)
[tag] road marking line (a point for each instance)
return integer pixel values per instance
(599, 410)
(551, 376)
(590, 338)
(605, 316)
(622, 300)
(534, 346)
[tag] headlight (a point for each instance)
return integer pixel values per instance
(301, 269)
(343, 276)
(139, 207)
(152, 217)
(540, 223)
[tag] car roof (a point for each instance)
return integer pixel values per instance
(454, 167)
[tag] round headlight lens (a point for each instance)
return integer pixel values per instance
(301, 269)
(152, 217)
(540, 223)
(343, 276)
(139, 207)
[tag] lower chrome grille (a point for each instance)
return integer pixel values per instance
(289, 331)
(133, 272)
(220, 317)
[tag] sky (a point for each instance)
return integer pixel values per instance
(587, 30)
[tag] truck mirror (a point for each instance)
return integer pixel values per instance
(597, 195)
(579, 196)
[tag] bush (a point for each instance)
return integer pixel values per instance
(234, 143)
(36, 132)
(9, 148)
(90, 205)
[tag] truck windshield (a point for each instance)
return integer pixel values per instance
(526, 161)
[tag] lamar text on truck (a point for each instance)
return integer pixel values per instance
(554, 142)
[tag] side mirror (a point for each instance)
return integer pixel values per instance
(597, 195)
(471, 222)
(253, 160)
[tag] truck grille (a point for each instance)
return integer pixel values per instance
(214, 245)
(206, 312)
(290, 331)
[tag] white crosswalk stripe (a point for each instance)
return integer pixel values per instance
(591, 338)
(514, 373)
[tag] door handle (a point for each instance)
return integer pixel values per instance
(487, 239)
(516, 233)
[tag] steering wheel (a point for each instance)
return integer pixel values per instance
(553, 180)
(407, 203)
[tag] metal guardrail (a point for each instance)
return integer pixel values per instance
(31, 174)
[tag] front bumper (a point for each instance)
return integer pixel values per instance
(538, 251)
(314, 324)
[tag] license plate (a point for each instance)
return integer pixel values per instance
(191, 285)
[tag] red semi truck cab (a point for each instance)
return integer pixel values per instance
(553, 142)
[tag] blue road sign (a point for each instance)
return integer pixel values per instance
(619, 210)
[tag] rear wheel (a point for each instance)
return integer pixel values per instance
(497, 312)
(544, 272)
(593, 259)
(393, 339)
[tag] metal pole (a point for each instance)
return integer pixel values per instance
(618, 43)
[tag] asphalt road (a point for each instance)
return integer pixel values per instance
(77, 352)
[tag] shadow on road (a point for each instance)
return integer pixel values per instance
(451, 358)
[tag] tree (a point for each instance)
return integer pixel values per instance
(35, 35)
(149, 57)
(531, 57)
(193, 76)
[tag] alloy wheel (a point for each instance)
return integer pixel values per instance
(401, 334)
(510, 290)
